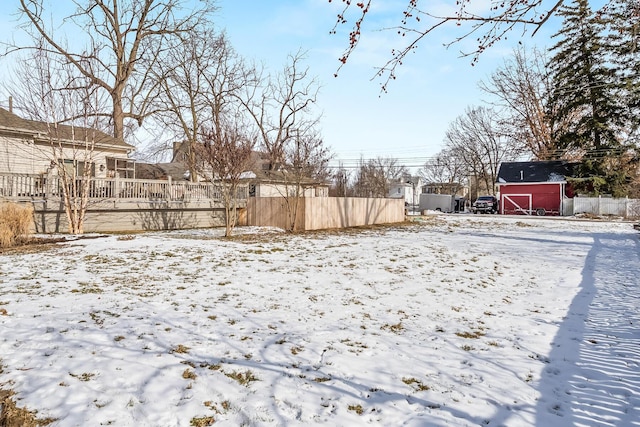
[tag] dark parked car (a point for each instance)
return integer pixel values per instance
(485, 204)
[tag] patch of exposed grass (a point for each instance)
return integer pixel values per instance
(87, 288)
(85, 376)
(202, 421)
(243, 378)
(470, 334)
(180, 349)
(416, 383)
(356, 346)
(356, 408)
(396, 328)
(12, 416)
(188, 374)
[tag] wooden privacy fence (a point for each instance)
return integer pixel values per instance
(317, 213)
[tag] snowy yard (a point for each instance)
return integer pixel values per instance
(455, 321)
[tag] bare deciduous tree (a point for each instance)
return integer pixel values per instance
(223, 156)
(446, 168)
(201, 79)
(522, 87)
(281, 110)
(373, 177)
(341, 177)
(55, 91)
(40, 86)
(476, 139)
(306, 161)
(124, 40)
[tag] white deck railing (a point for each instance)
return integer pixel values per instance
(34, 187)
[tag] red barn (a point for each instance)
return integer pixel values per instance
(534, 188)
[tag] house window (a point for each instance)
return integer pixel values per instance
(122, 168)
(252, 190)
(76, 168)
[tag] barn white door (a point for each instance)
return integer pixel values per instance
(517, 203)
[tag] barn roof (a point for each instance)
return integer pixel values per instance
(539, 171)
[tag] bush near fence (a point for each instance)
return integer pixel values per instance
(15, 223)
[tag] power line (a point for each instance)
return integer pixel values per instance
(419, 162)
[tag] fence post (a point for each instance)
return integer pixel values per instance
(626, 207)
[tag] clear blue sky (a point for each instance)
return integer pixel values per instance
(434, 85)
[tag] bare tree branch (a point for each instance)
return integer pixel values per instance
(224, 155)
(282, 110)
(417, 23)
(123, 39)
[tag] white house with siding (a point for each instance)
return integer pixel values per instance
(29, 147)
(407, 188)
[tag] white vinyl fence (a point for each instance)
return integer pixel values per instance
(602, 206)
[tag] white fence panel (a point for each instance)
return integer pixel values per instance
(585, 205)
(606, 206)
(567, 207)
(633, 208)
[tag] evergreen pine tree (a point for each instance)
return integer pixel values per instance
(586, 93)
(623, 18)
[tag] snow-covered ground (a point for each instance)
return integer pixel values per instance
(458, 320)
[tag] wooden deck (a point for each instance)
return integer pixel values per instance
(40, 187)
(120, 205)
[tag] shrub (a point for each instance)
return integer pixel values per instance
(15, 223)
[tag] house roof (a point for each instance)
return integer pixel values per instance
(15, 125)
(259, 168)
(176, 170)
(539, 171)
(264, 171)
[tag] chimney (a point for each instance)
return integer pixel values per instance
(11, 104)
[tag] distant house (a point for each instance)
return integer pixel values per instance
(407, 188)
(264, 178)
(534, 188)
(27, 148)
(267, 180)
